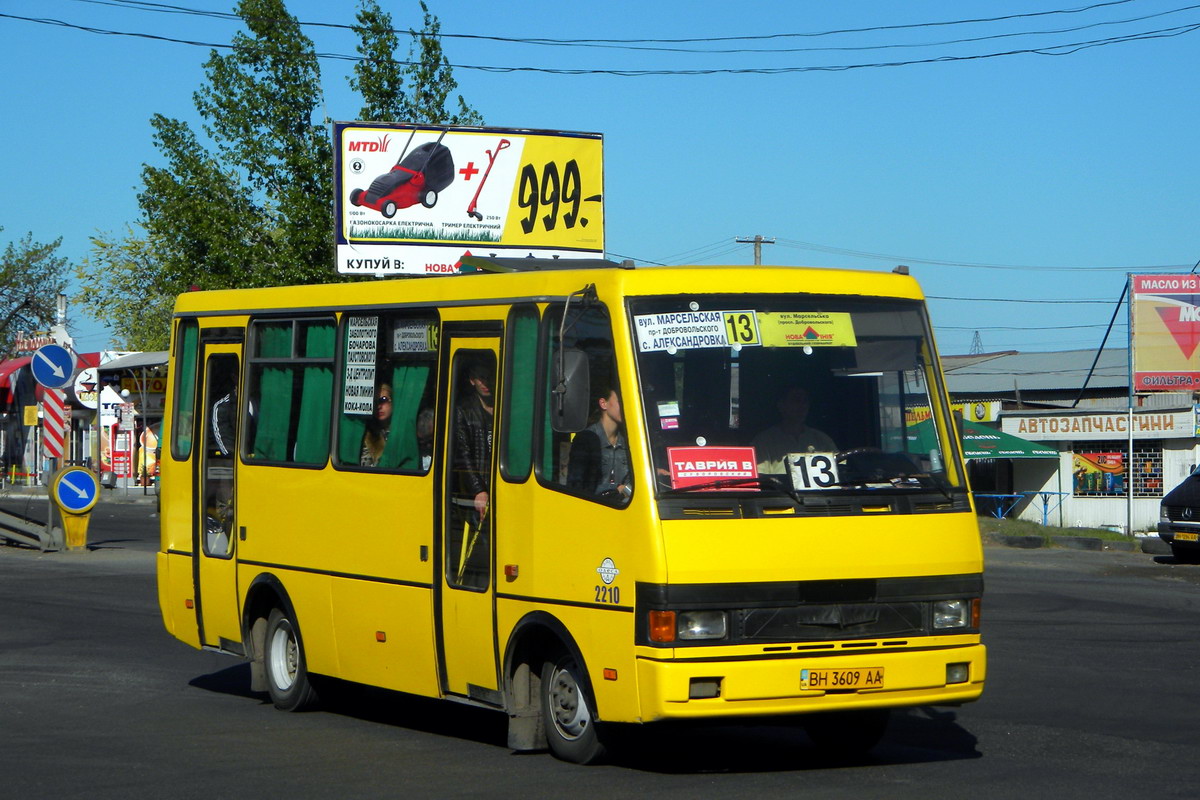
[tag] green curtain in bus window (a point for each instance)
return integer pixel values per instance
(351, 430)
(519, 443)
(316, 398)
(402, 450)
(547, 467)
(273, 405)
(185, 399)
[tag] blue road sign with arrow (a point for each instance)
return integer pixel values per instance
(75, 490)
(53, 366)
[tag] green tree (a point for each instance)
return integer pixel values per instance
(132, 302)
(381, 80)
(32, 275)
(252, 204)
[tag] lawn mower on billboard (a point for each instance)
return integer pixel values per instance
(416, 178)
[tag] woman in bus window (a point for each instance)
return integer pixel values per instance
(599, 459)
(377, 428)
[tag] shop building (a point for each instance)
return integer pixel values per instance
(1077, 406)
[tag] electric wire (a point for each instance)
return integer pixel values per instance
(1048, 50)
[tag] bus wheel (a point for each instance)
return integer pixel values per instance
(287, 672)
(847, 733)
(569, 721)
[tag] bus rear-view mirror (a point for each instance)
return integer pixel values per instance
(569, 405)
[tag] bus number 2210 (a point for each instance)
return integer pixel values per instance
(608, 594)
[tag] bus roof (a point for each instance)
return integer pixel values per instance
(506, 280)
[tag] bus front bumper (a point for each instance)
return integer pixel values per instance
(760, 687)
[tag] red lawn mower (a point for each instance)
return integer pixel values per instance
(416, 178)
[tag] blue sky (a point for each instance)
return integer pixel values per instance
(999, 180)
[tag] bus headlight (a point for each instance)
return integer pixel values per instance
(694, 625)
(952, 614)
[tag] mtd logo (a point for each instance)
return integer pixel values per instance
(380, 145)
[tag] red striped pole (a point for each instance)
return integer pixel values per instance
(54, 422)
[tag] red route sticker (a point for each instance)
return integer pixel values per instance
(692, 466)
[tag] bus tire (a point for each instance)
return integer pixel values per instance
(288, 683)
(567, 713)
(847, 733)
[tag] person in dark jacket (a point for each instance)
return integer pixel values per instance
(599, 458)
(473, 436)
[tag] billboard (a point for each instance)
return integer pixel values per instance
(1164, 332)
(414, 199)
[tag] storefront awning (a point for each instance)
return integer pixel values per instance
(980, 441)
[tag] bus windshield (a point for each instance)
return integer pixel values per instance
(792, 393)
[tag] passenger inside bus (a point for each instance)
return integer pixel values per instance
(425, 420)
(378, 427)
(599, 458)
(469, 531)
(473, 434)
(792, 434)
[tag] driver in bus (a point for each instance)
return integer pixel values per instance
(792, 434)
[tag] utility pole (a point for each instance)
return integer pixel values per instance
(757, 241)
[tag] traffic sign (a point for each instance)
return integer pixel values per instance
(53, 366)
(75, 490)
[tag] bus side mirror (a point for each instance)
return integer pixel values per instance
(569, 404)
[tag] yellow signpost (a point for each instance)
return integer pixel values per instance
(74, 492)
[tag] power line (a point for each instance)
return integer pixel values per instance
(798, 245)
(144, 5)
(654, 45)
(1049, 50)
(1009, 300)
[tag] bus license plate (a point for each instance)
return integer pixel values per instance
(1187, 537)
(833, 679)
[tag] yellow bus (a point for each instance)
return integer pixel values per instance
(579, 493)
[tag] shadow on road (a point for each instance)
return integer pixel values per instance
(915, 736)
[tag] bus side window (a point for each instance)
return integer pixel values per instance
(520, 387)
(187, 339)
(387, 392)
(291, 391)
(594, 462)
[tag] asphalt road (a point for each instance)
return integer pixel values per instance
(1089, 696)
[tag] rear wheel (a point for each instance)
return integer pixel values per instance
(570, 721)
(847, 733)
(287, 672)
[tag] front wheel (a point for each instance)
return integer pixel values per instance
(287, 672)
(389, 209)
(567, 713)
(429, 198)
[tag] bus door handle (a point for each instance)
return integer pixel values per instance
(242, 532)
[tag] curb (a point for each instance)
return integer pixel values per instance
(1078, 542)
(1147, 545)
(1022, 542)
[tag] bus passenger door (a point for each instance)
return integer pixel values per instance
(466, 611)
(214, 529)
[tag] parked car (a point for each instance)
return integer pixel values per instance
(1179, 518)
